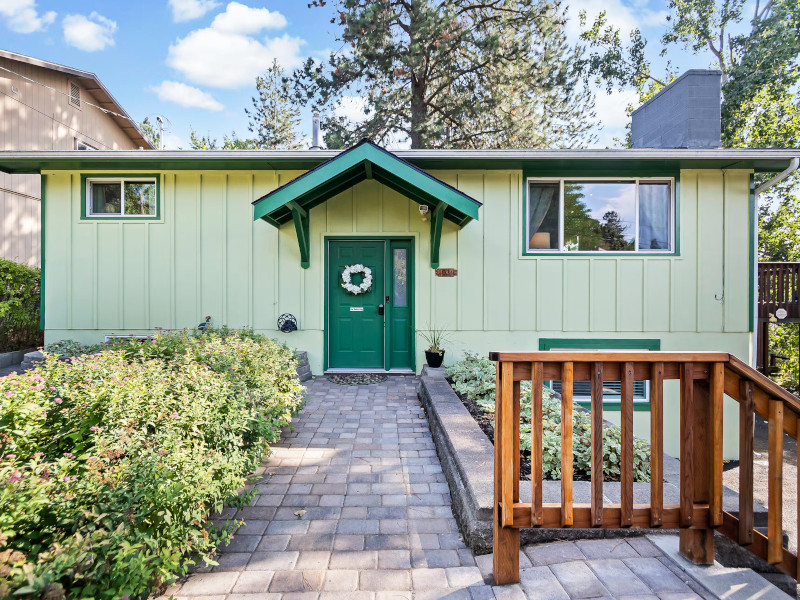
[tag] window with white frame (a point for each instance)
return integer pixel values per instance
(600, 215)
(81, 145)
(121, 197)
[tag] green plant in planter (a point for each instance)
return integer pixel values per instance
(435, 338)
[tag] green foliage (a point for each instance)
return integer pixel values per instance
(474, 378)
(784, 339)
(19, 306)
(451, 74)
(150, 132)
(434, 338)
(111, 463)
(71, 348)
(274, 118)
(232, 142)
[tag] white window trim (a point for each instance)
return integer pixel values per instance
(79, 143)
(528, 251)
(121, 181)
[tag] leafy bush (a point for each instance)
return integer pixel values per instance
(474, 378)
(19, 306)
(111, 463)
(71, 348)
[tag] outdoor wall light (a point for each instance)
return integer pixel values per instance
(423, 212)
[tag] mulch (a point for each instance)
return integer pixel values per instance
(486, 422)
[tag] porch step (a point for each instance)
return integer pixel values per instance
(303, 368)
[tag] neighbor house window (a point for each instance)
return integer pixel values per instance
(600, 215)
(134, 197)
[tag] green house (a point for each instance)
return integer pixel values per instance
(649, 248)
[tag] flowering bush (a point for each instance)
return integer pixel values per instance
(474, 379)
(111, 463)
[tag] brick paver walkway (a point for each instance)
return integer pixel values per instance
(354, 506)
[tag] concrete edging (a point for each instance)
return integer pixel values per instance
(9, 359)
(467, 460)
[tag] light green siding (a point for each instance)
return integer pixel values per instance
(206, 256)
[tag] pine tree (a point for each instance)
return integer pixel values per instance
(149, 131)
(274, 117)
(451, 74)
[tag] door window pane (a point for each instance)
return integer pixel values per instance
(400, 277)
(543, 216)
(654, 216)
(140, 198)
(106, 198)
(599, 216)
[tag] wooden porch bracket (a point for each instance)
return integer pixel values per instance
(301, 225)
(437, 219)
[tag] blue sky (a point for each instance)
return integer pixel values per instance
(194, 61)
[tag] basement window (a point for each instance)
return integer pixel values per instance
(121, 197)
(612, 390)
(599, 215)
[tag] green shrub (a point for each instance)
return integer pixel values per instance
(19, 306)
(71, 348)
(111, 463)
(474, 378)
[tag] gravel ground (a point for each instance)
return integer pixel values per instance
(730, 477)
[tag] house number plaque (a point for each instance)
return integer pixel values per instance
(446, 272)
(356, 309)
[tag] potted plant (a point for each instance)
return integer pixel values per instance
(434, 338)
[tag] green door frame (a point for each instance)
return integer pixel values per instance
(387, 287)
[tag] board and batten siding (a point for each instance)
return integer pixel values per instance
(206, 256)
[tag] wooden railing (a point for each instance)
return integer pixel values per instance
(778, 288)
(705, 378)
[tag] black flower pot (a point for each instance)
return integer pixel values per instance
(434, 359)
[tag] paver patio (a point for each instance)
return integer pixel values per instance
(353, 505)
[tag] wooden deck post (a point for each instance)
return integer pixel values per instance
(505, 540)
(697, 541)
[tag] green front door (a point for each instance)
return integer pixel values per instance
(371, 330)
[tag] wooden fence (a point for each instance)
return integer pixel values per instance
(705, 377)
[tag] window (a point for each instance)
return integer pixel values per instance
(129, 197)
(603, 215)
(79, 145)
(74, 94)
(612, 390)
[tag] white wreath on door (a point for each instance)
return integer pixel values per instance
(352, 288)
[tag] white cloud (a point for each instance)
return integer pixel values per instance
(91, 33)
(351, 108)
(227, 55)
(621, 14)
(22, 16)
(186, 10)
(611, 112)
(239, 18)
(186, 95)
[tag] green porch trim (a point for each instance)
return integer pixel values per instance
(41, 250)
(85, 216)
(437, 219)
(651, 344)
(365, 160)
(751, 296)
(636, 171)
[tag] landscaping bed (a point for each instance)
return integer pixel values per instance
(112, 462)
(473, 380)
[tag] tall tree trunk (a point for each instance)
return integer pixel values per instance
(417, 78)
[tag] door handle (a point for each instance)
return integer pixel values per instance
(380, 309)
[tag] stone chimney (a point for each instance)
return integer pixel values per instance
(685, 114)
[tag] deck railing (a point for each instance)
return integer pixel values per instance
(705, 378)
(778, 288)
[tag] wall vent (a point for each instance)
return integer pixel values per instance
(74, 94)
